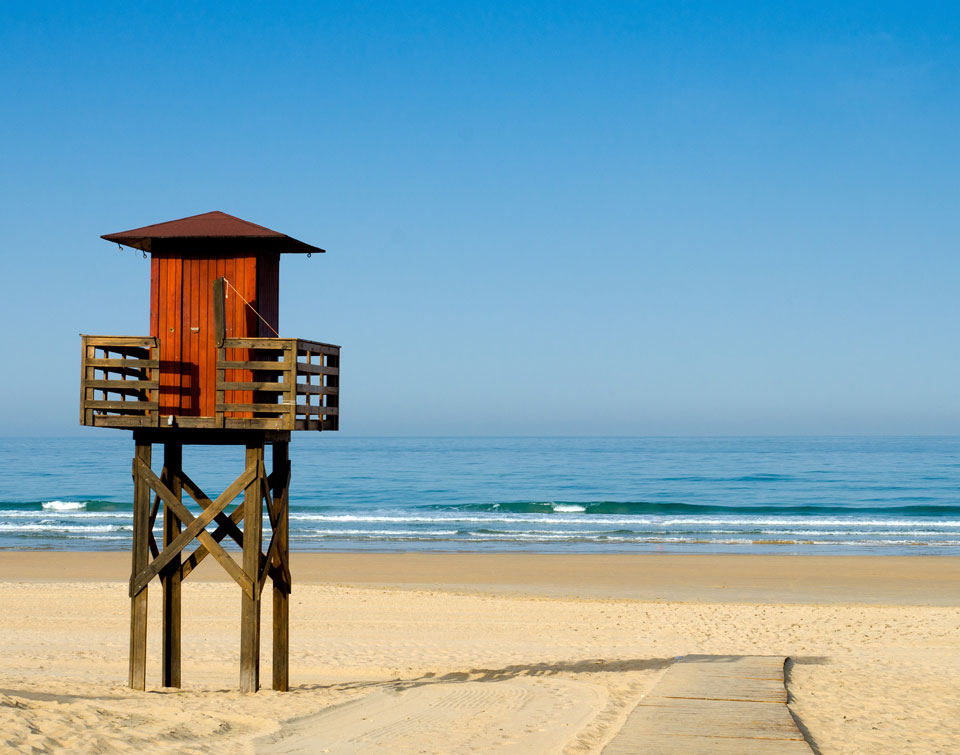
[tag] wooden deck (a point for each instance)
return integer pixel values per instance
(714, 704)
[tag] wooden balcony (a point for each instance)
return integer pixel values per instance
(281, 384)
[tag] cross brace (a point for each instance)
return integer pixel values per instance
(173, 566)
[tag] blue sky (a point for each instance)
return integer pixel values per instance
(564, 218)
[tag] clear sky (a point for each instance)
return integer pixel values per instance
(541, 218)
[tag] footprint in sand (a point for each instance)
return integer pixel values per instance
(522, 715)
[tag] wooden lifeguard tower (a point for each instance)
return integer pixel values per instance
(213, 371)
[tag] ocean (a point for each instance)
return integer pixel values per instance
(890, 496)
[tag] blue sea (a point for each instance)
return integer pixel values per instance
(597, 495)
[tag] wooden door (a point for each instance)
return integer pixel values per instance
(182, 319)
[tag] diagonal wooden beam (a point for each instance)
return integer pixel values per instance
(274, 562)
(154, 510)
(193, 490)
(193, 529)
(265, 483)
(212, 545)
(282, 504)
(274, 556)
(193, 560)
(206, 539)
(267, 563)
(151, 538)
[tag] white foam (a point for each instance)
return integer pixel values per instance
(569, 508)
(64, 505)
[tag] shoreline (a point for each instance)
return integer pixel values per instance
(713, 578)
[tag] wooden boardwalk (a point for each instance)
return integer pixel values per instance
(714, 704)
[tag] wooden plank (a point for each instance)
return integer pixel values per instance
(86, 373)
(194, 422)
(170, 574)
(250, 605)
(252, 365)
(125, 385)
(268, 292)
(189, 394)
(332, 415)
(113, 405)
(317, 347)
(193, 528)
(259, 343)
(135, 388)
(257, 424)
(281, 586)
(147, 342)
(220, 324)
(114, 420)
(253, 385)
(246, 321)
(124, 363)
(137, 678)
(154, 295)
(290, 380)
(314, 409)
(266, 408)
(715, 704)
(154, 550)
(175, 338)
(208, 348)
(304, 389)
(219, 394)
(305, 368)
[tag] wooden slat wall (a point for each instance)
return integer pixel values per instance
(268, 293)
(165, 324)
(181, 298)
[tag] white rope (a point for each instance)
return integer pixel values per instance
(252, 307)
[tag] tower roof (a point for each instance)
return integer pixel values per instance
(210, 225)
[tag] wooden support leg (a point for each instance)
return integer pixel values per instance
(281, 590)
(141, 557)
(170, 574)
(250, 606)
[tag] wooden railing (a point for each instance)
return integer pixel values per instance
(278, 384)
(119, 379)
(294, 384)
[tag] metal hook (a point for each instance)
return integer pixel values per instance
(119, 247)
(144, 255)
(309, 255)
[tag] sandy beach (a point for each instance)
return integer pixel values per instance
(446, 653)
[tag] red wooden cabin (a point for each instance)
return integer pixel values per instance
(181, 371)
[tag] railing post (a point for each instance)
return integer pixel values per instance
(333, 400)
(220, 393)
(290, 377)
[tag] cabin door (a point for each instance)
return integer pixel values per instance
(197, 350)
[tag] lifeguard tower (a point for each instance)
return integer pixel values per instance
(213, 371)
